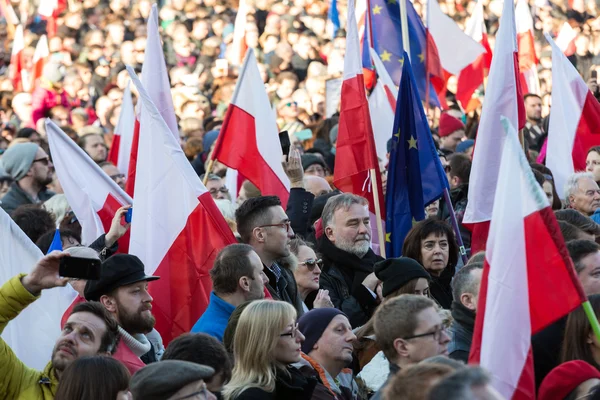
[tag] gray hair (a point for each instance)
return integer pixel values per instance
(457, 386)
(345, 201)
(463, 281)
(572, 184)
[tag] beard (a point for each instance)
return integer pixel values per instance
(359, 246)
(136, 322)
(45, 181)
(60, 363)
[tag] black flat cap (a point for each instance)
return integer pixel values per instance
(161, 380)
(118, 270)
(397, 272)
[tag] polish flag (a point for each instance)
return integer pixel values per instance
(472, 76)
(49, 10)
(8, 12)
(120, 151)
(33, 333)
(16, 59)
(355, 149)
(155, 79)
(39, 60)
(456, 49)
(382, 106)
(574, 121)
(177, 230)
(93, 196)
(503, 97)
(248, 141)
(528, 60)
(239, 34)
(566, 39)
(528, 278)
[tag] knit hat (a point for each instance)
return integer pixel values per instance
(53, 72)
(565, 378)
(310, 159)
(17, 159)
(397, 272)
(313, 324)
(161, 380)
(465, 145)
(449, 125)
(209, 138)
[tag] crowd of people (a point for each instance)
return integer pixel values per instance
(304, 306)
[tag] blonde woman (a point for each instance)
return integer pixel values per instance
(266, 342)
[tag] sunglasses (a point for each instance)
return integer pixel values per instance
(311, 264)
(292, 103)
(43, 161)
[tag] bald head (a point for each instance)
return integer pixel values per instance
(316, 185)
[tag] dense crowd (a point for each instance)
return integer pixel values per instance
(303, 307)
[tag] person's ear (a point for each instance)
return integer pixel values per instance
(401, 347)
(259, 235)
(468, 300)
(244, 283)
(109, 302)
(455, 180)
(329, 233)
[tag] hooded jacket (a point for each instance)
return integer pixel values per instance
(341, 387)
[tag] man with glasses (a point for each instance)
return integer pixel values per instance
(237, 276)
(114, 174)
(32, 171)
(216, 187)
(263, 224)
(408, 329)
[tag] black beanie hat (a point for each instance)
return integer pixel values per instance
(313, 324)
(397, 272)
(309, 159)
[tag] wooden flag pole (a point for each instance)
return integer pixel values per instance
(380, 233)
(208, 170)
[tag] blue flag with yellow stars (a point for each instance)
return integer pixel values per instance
(415, 175)
(387, 40)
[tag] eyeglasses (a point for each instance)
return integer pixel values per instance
(202, 394)
(117, 176)
(437, 334)
(286, 225)
(44, 160)
(291, 103)
(293, 333)
(311, 264)
(222, 190)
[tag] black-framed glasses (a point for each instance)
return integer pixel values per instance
(312, 263)
(44, 161)
(293, 333)
(285, 225)
(437, 334)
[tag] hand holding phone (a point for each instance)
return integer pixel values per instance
(81, 268)
(284, 140)
(128, 215)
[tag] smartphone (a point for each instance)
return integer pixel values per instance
(594, 74)
(128, 215)
(284, 139)
(81, 268)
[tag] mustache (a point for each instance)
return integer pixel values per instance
(68, 346)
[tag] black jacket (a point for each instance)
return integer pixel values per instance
(286, 289)
(298, 210)
(287, 387)
(440, 289)
(342, 275)
(17, 197)
(100, 246)
(546, 347)
(461, 332)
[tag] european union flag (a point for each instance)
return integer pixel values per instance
(333, 15)
(56, 242)
(415, 175)
(387, 39)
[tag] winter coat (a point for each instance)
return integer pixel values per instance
(341, 387)
(440, 289)
(285, 289)
(214, 320)
(343, 274)
(17, 197)
(461, 332)
(294, 386)
(299, 207)
(394, 369)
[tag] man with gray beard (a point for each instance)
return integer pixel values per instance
(347, 257)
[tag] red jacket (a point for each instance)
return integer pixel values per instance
(43, 100)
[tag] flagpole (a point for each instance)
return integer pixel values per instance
(404, 24)
(591, 315)
(454, 222)
(380, 234)
(427, 72)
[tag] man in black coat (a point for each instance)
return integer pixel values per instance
(348, 259)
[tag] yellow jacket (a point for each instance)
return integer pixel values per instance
(17, 381)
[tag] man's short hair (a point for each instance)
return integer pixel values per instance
(286, 75)
(572, 184)
(477, 257)
(528, 95)
(578, 220)
(579, 249)
(110, 339)
(463, 281)
(211, 177)
(254, 212)
(415, 381)
(345, 201)
(203, 349)
(33, 220)
(83, 139)
(44, 242)
(231, 264)
(458, 386)
(397, 318)
(460, 166)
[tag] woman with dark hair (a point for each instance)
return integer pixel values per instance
(94, 378)
(580, 343)
(548, 185)
(432, 243)
(592, 162)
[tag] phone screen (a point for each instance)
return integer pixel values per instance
(82, 268)
(284, 139)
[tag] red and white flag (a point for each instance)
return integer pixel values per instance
(565, 39)
(457, 50)
(248, 141)
(239, 46)
(503, 97)
(355, 149)
(472, 76)
(8, 12)
(528, 60)
(49, 10)
(39, 60)
(93, 196)
(574, 121)
(120, 150)
(32, 335)
(177, 230)
(528, 278)
(155, 79)
(16, 59)
(382, 106)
